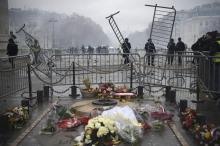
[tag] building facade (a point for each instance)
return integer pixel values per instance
(4, 25)
(192, 24)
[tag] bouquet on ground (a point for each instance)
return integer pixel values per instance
(17, 116)
(88, 91)
(123, 93)
(105, 90)
(129, 129)
(122, 89)
(100, 131)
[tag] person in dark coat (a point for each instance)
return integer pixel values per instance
(180, 47)
(12, 50)
(150, 50)
(126, 46)
(12, 36)
(170, 52)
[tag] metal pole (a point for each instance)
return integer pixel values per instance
(51, 80)
(29, 80)
(73, 87)
(140, 91)
(155, 8)
(131, 77)
(173, 21)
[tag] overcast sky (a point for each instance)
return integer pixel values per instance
(133, 16)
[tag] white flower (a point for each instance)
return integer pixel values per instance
(97, 125)
(102, 131)
(88, 141)
(90, 126)
(88, 137)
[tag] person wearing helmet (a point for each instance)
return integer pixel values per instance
(150, 50)
(170, 52)
(180, 48)
(126, 46)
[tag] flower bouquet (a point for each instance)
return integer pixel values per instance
(105, 90)
(88, 92)
(105, 94)
(129, 129)
(123, 93)
(100, 131)
(122, 89)
(17, 116)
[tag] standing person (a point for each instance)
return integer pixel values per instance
(126, 46)
(170, 52)
(12, 50)
(180, 47)
(12, 36)
(150, 50)
(36, 50)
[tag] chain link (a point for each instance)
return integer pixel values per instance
(60, 92)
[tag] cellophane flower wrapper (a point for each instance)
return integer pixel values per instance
(128, 127)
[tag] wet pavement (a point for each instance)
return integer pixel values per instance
(66, 138)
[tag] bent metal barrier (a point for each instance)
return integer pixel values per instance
(181, 73)
(72, 69)
(14, 79)
(185, 72)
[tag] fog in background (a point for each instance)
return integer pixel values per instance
(133, 16)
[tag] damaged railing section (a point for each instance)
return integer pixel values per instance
(177, 71)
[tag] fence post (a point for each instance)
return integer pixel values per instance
(73, 87)
(140, 91)
(46, 92)
(131, 77)
(167, 95)
(29, 80)
(51, 80)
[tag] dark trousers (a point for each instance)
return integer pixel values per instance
(126, 58)
(11, 60)
(180, 58)
(150, 59)
(170, 58)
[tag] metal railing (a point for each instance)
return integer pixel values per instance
(177, 71)
(186, 71)
(13, 74)
(97, 67)
(209, 74)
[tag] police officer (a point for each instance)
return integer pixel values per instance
(150, 50)
(180, 47)
(170, 52)
(126, 46)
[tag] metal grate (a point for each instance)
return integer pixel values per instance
(162, 25)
